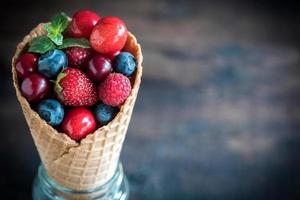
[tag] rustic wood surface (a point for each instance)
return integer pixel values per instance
(218, 113)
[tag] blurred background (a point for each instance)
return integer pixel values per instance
(218, 113)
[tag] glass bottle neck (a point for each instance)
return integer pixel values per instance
(46, 188)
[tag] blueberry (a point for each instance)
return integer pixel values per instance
(125, 63)
(105, 113)
(51, 111)
(52, 62)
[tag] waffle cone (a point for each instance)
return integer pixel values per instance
(93, 161)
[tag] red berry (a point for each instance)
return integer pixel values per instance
(26, 64)
(83, 23)
(115, 89)
(35, 87)
(109, 35)
(74, 88)
(78, 123)
(78, 56)
(112, 56)
(98, 68)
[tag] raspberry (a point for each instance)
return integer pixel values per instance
(78, 56)
(115, 89)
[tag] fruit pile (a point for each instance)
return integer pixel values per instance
(76, 76)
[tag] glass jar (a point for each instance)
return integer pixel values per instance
(45, 188)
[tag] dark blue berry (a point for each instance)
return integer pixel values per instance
(51, 111)
(105, 113)
(125, 63)
(52, 62)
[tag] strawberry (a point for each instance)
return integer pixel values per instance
(78, 56)
(74, 88)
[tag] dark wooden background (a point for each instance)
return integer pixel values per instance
(218, 113)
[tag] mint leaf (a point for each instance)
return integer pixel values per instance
(54, 30)
(48, 28)
(53, 34)
(60, 22)
(41, 44)
(72, 42)
(57, 38)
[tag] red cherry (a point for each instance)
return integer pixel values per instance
(26, 64)
(98, 68)
(35, 87)
(112, 56)
(78, 123)
(82, 24)
(109, 35)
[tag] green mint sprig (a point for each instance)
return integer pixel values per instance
(57, 26)
(54, 38)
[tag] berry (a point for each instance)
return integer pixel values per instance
(51, 111)
(78, 56)
(26, 65)
(112, 56)
(83, 23)
(78, 123)
(109, 35)
(35, 87)
(98, 68)
(105, 113)
(74, 88)
(125, 63)
(51, 63)
(115, 89)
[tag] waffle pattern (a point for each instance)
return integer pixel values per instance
(93, 161)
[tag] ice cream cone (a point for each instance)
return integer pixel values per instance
(93, 161)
